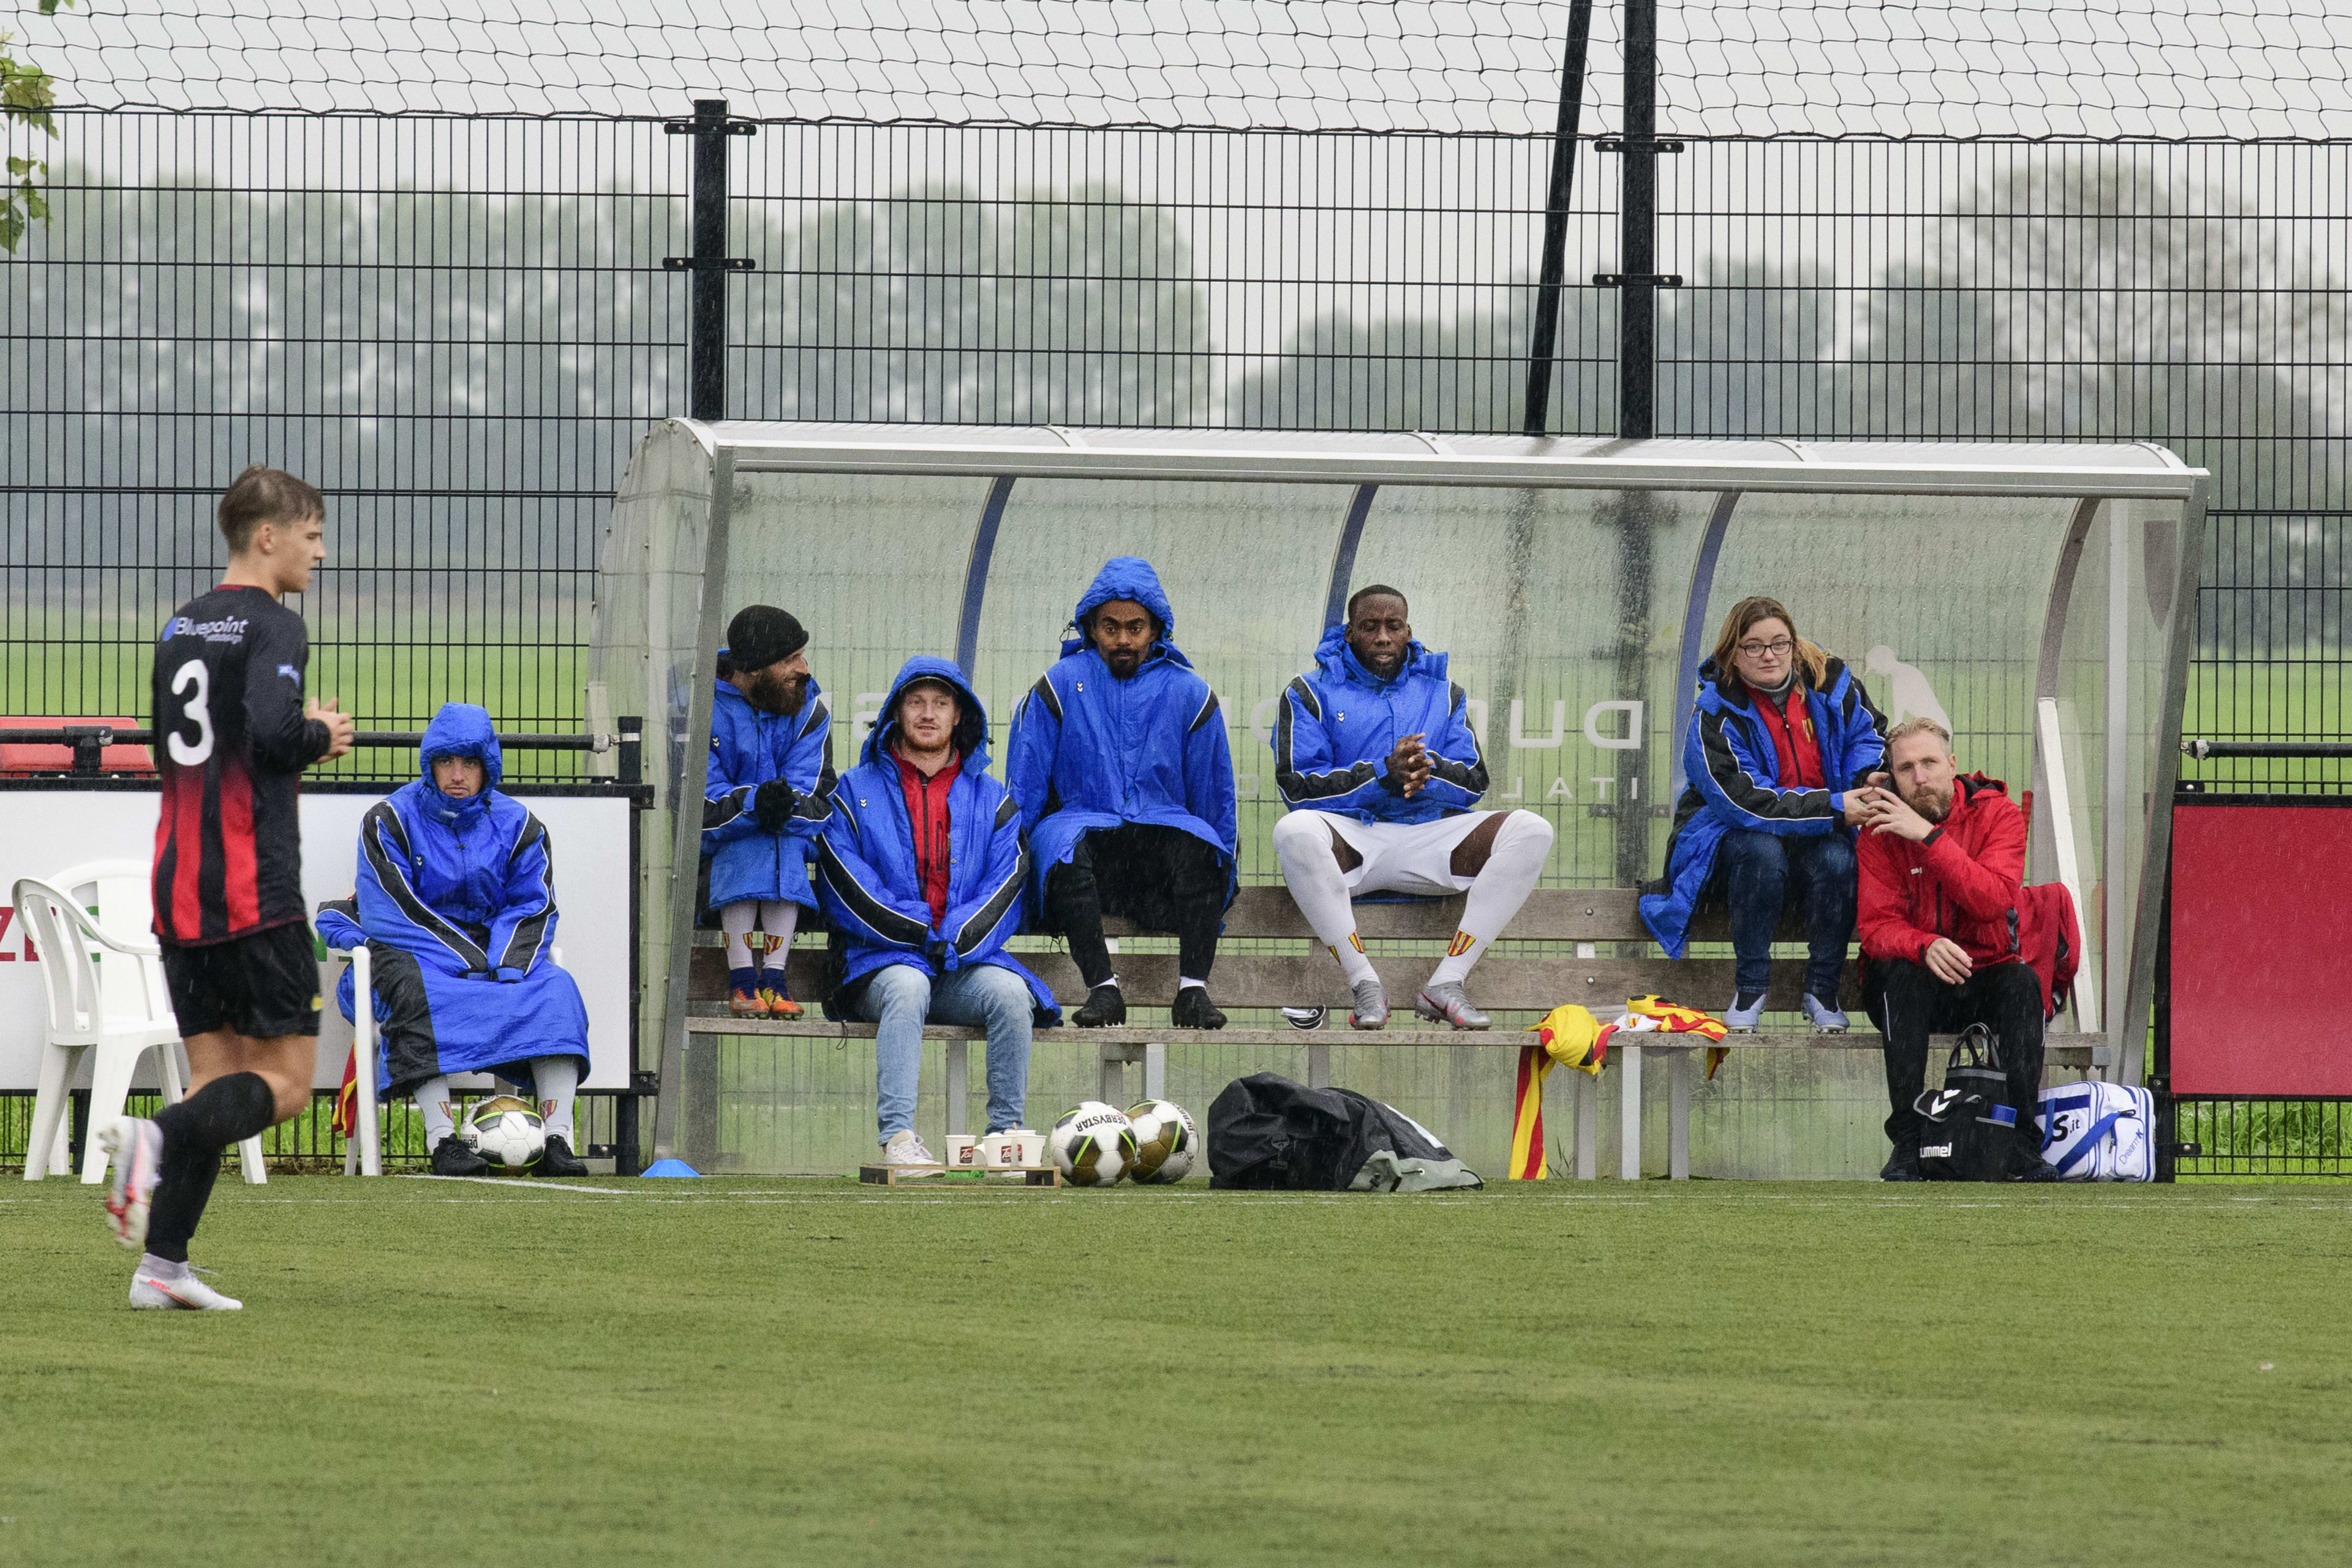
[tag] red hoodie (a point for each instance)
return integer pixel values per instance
(927, 813)
(1965, 882)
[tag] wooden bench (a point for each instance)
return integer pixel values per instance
(1604, 957)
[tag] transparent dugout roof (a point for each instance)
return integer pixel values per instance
(2035, 598)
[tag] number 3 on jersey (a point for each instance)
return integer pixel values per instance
(193, 711)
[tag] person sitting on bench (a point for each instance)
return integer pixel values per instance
(1125, 777)
(457, 906)
(1383, 802)
(1783, 742)
(1941, 904)
(767, 790)
(922, 871)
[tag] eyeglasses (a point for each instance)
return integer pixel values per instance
(1778, 648)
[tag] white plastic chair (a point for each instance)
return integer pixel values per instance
(363, 1151)
(121, 1009)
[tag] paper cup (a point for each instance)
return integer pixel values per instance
(1013, 1150)
(963, 1152)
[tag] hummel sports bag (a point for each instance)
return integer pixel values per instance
(1970, 1129)
(2098, 1133)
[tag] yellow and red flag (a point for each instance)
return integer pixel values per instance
(1674, 1018)
(347, 1098)
(1569, 1034)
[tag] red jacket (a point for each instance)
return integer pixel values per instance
(1966, 882)
(927, 814)
(1791, 725)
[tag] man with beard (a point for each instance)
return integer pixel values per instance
(1125, 783)
(1376, 759)
(766, 795)
(1940, 906)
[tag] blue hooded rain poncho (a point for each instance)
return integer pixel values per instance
(1091, 751)
(867, 878)
(456, 905)
(1338, 723)
(749, 747)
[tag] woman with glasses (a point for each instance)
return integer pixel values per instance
(1783, 756)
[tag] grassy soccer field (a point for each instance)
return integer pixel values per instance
(809, 1372)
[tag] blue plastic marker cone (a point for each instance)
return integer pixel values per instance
(671, 1168)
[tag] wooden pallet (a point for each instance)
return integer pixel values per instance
(940, 1175)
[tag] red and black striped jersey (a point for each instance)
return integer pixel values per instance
(231, 744)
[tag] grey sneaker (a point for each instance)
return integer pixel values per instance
(1372, 1008)
(1825, 1019)
(1741, 1020)
(1446, 1004)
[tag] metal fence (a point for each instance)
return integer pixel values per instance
(458, 327)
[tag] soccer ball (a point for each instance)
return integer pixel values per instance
(507, 1132)
(1166, 1141)
(1094, 1145)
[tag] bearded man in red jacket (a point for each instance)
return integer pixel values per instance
(1942, 871)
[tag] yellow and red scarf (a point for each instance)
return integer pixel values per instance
(1569, 1034)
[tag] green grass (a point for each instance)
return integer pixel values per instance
(808, 1373)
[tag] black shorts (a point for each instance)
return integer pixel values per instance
(260, 986)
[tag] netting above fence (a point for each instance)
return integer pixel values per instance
(2065, 68)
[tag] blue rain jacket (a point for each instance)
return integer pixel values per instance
(868, 879)
(1731, 763)
(456, 904)
(1338, 723)
(1091, 751)
(748, 748)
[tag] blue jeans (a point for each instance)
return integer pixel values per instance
(901, 999)
(1760, 874)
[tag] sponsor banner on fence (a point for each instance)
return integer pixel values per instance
(44, 832)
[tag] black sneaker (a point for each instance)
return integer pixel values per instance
(453, 1157)
(1904, 1166)
(559, 1159)
(1193, 1010)
(1103, 1008)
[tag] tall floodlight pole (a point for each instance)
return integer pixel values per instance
(1543, 348)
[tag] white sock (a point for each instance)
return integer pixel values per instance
(432, 1100)
(153, 1267)
(1302, 842)
(556, 1079)
(778, 918)
(1522, 844)
(736, 919)
(1184, 981)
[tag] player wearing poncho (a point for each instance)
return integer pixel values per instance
(1125, 777)
(456, 904)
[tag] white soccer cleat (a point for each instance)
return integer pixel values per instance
(134, 1149)
(906, 1148)
(186, 1294)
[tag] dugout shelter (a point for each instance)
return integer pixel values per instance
(2040, 599)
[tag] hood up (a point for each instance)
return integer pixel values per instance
(460, 730)
(1126, 577)
(970, 730)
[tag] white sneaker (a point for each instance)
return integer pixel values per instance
(906, 1148)
(134, 1148)
(186, 1294)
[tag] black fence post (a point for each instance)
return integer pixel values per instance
(1638, 283)
(1543, 348)
(707, 324)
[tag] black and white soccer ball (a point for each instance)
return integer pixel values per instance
(1094, 1145)
(508, 1133)
(1166, 1141)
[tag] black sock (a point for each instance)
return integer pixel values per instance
(225, 1112)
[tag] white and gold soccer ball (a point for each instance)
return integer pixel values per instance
(1094, 1145)
(1166, 1141)
(508, 1133)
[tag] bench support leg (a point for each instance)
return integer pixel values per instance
(959, 1064)
(1629, 1113)
(1114, 1079)
(1318, 1067)
(1155, 1072)
(1678, 1117)
(1588, 1127)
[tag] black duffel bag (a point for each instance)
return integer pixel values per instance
(1266, 1131)
(1970, 1129)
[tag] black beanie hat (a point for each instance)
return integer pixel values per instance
(760, 635)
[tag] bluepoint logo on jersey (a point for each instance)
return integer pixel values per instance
(231, 630)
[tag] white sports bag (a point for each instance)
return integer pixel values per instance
(2098, 1133)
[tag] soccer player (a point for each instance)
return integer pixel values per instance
(457, 901)
(767, 791)
(1375, 757)
(1125, 777)
(922, 870)
(232, 734)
